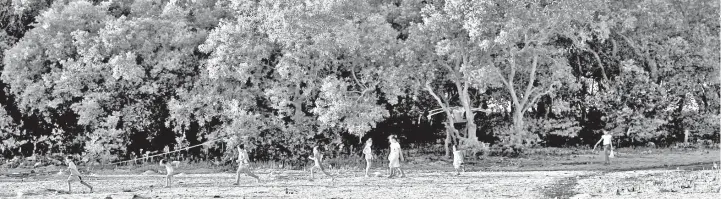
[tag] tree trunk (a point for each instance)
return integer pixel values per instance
(449, 116)
(517, 122)
(470, 122)
(448, 142)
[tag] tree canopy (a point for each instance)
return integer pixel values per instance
(110, 79)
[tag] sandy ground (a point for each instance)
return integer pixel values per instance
(417, 184)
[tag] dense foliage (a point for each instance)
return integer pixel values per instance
(114, 79)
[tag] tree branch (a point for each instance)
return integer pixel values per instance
(438, 99)
(538, 96)
(356, 79)
(600, 64)
(531, 79)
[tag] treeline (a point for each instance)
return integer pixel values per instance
(114, 79)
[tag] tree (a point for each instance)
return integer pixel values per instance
(526, 56)
(438, 51)
(300, 78)
(114, 75)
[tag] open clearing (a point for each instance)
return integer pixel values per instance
(638, 174)
(418, 184)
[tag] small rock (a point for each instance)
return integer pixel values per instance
(108, 197)
(140, 197)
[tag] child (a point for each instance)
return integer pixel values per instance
(169, 171)
(395, 156)
(74, 174)
(607, 146)
(318, 159)
(368, 154)
(458, 160)
(243, 165)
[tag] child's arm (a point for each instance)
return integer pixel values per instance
(400, 151)
(599, 142)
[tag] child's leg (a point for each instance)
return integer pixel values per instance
(311, 172)
(368, 166)
(237, 175)
(71, 178)
(606, 153)
(326, 173)
(247, 172)
(390, 172)
(401, 172)
(87, 185)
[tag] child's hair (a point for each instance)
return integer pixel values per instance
(241, 146)
(69, 158)
(162, 161)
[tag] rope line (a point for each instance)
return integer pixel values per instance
(178, 150)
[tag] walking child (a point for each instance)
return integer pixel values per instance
(318, 159)
(243, 165)
(368, 155)
(395, 157)
(169, 171)
(458, 160)
(74, 174)
(607, 146)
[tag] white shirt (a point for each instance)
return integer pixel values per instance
(243, 157)
(457, 157)
(395, 151)
(73, 169)
(606, 139)
(367, 151)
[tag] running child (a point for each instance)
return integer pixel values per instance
(458, 160)
(368, 154)
(394, 157)
(74, 174)
(607, 146)
(318, 159)
(169, 171)
(243, 165)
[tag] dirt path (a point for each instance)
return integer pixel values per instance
(295, 184)
(419, 184)
(564, 188)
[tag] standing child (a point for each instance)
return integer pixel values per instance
(458, 160)
(318, 159)
(243, 165)
(395, 157)
(606, 138)
(169, 171)
(368, 154)
(74, 174)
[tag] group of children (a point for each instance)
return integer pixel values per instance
(394, 157)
